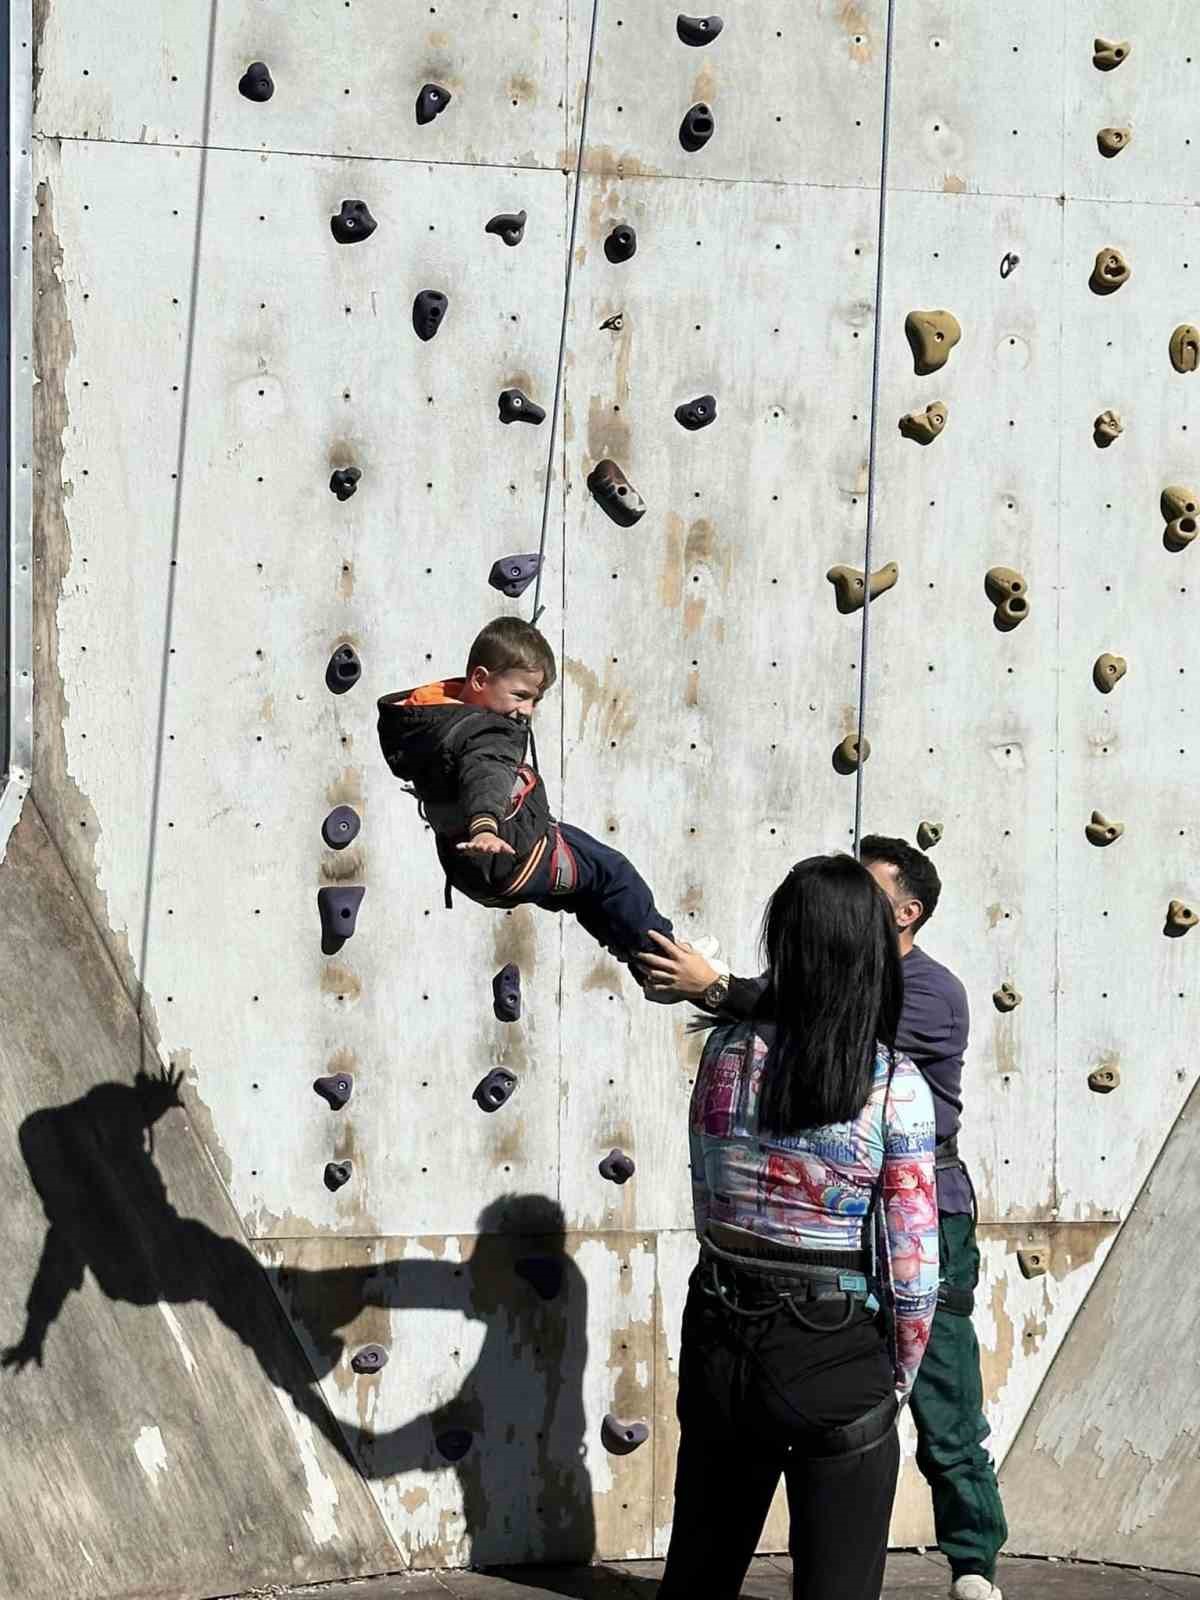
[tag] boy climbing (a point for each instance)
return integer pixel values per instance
(460, 746)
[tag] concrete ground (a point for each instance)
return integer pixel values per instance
(910, 1575)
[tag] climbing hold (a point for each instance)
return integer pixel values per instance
(621, 244)
(1100, 831)
(1033, 1263)
(512, 575)
(491, 1092)
(1108, 672)
(337, 1173)
(846, 758)
(454, 1443)
(509, 226)
(1185, 348)
(506, 993)
(1006, 998)
(518, 407)
(1109, 53)
(1179, 534)
(428, 310)
(371, 1358)
(545, 1273)
(344, 481)
(1180, 918)
(1110, 271)
(613, 491)
(339, 915)
(1104, 1079)
(352, 223)
(344, 669)
(696, 414)
(929, 834)
(613, 324)
(931, 336)
(617, 1167)
(849, 585)
(1008, 592)
(255, 83)
(335, 1090)
(924, 426)
(622, 1438)
(696, 129)
(1009, 263)
(431, 102)
(1113, 140)
(1107, 427)
(340, 827)
(698, 30)
(1178, 500)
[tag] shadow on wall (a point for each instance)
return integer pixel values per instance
(92, 1163)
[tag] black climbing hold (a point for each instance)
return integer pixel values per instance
(622, 1438)
(696, 129)
(509, 226)
(428, 310)
(512, 575)
(1009, 264)
(335, 1090)
(491, 1092)
(339, 915)
(344, 669)
(371, 1358)
(506, 993)
(698, 30)
(255, 83)
(696, 414)
(613, 490)
(518, 407)
(353, 222)
(431, 102)
(340, 827)
(617, 1167)
(613, 324)
(344, 481)
(545, 1273)
(454, 1443)
(337, 1173)
(621, 243)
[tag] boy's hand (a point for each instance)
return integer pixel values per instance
(486, 844)
(676, 966)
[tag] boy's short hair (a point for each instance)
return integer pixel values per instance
(916, 874)
(510, 642)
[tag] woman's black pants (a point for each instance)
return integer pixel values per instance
(755, 1399)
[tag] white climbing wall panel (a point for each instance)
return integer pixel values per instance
(224, 355)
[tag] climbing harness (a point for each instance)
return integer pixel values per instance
(958, 1302)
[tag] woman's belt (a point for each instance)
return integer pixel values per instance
(780, 1270)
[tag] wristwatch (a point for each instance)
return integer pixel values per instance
(713, 997)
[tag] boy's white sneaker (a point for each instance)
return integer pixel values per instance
(706, 946)
(974, 1586)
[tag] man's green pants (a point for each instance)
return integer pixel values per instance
(947, 1406)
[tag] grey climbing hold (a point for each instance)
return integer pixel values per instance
(1108, 672)
(1177, 500)
(613, 491)
(698, 30)
(617, 1167)
(1033, 1263)
(1185, 348)
(850, 755)
(338, 908)
(850, 585)
(1110, 272)
(340, 827)
(453, 1443)
(337, 1174)
(506, 993)
(1104, 1079)
(431, 102)
(512, 575)
(352, 223)
(923, 427)
(1113, 140)
(1108, 54)
(622, 1438)
(1101, 832)
(1008, 592)
(255, 83)
(621, 244)
(429, 309)
(509, 226)
(1180, 917)
(545, 1273)
(335, 1090)
(518, 407)
(494, 1089)
(343, 481)
(370, 1359)
(1179, 534)
(696, 414)
(697, 127)
(344, 669)
(1107, 428)
(931, 336)
(929, 834)
(1006, 998)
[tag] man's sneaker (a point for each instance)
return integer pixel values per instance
(974, 1586)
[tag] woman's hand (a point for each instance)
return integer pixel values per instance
(487, 844)
(675, 965)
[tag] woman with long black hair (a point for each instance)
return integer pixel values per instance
(809, 1310)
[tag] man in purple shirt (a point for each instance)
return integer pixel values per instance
(947, 1400)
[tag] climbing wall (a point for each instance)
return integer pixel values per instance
(216, 355)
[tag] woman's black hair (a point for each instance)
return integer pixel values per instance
(834, 992)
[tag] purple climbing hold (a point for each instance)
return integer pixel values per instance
(339, 915)
(340, 827)
(492, 1091)
(696, 414)
(429, 308)
(509, 226)
(512, 575)
(337, 1174)
(335, 1090)
(344, 669)
(352, 223)
(453, 1443)
(617, 1167)
(255, 83)
(506, 993)
(622, 1438)
(517, 407)
(431, 102)
(696, 129)
(344, 481)
(545, 1273)
(371, 1358)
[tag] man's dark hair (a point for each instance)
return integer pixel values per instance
(916, 875)
(508, 642)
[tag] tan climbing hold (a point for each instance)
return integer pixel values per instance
(1110, 272)
(929, 834)
(1008, 592)
(1113, 140)
(849, 585)
(1104, 1079)
(1108, 672)
(924, 426)
(1100, 831)
(931, 335)
(1109, 53)
(846, 757)
(1006, 998)
(1181, 917)
(1185, 348)
(1033, 1263)
(1180, 533)
(1107, 427)
(1179, 501)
